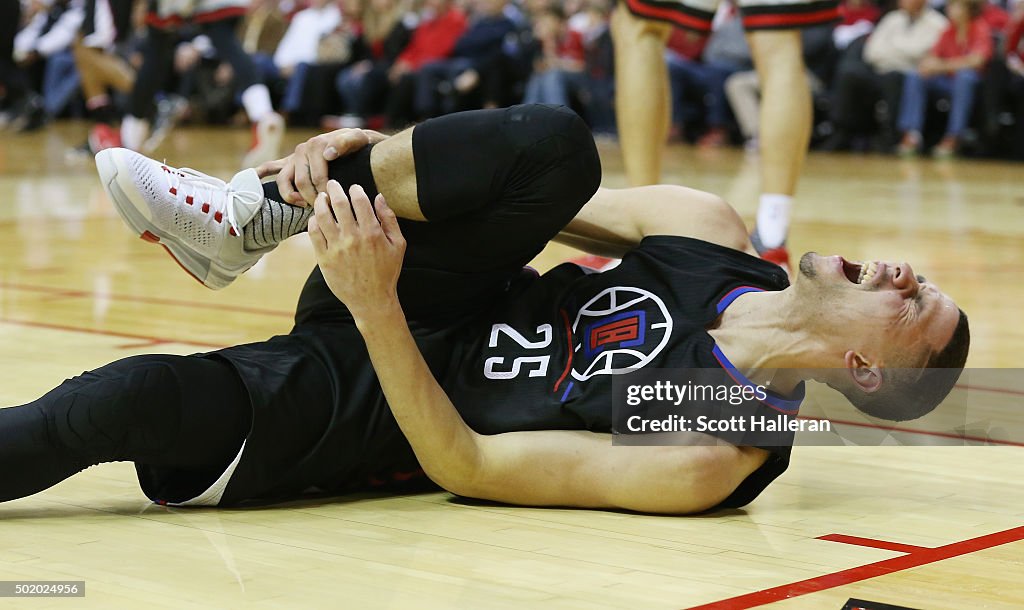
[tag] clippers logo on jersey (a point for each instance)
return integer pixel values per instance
(619, 330)
(625, 329)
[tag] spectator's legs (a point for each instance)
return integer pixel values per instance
(642, 96)
(60, 82)
(853, 94)
(292, 100)
(11, 77)
(348, 84)
(964, 84)
(373, 93)
(550, 88)
(99, 70)
(785, 128)
(891, 86)
(399, 106)
(743, 90)
(1016, 91)
(912, 109)
(718, 106)
(679, 80)
(960, 88)
(425, 96)
(711, 81)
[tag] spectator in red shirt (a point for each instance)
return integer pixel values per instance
(951, 69)
(558, 68)
(441, 25)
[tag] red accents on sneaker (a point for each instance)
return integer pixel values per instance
(188, 199)
(231, 230)
(206, 208)
(219, 216)
(172, 191)
(147, 236)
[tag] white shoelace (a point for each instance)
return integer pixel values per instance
(205, 189)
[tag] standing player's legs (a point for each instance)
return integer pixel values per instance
(785, 132)
(773, 32)
(643, 99)
(157, 54)
(182, 412)
(268, 125)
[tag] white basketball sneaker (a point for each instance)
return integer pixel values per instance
(197, 218)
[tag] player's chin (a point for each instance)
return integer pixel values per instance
(807, 265)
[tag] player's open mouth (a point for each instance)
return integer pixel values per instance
(859, 273)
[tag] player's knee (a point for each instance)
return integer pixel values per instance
(726, 223)
(559, 145)
(776, 48)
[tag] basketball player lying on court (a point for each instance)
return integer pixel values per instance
(426, 352)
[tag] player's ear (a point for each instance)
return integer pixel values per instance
(862, 372)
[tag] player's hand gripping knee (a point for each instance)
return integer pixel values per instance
(359, 255)
(303, 174)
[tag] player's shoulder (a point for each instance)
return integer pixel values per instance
(691, 255)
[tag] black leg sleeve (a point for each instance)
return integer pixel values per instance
(169, 411)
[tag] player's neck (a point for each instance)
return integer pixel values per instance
(767, 338)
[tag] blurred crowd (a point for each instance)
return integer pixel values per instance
(905, 76)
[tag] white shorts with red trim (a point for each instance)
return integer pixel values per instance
(171, 13)
(696, 15)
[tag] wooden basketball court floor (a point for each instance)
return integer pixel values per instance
(924, 527)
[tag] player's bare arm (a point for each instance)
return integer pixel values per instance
(616, 220)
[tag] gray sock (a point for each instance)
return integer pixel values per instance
(274, 223)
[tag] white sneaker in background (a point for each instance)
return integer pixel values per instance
(267, 143)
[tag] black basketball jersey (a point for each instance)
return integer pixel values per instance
(547, 357)
(543, 359)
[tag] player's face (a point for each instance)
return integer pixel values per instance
(880, 300)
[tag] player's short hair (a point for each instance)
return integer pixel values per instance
(911, 393)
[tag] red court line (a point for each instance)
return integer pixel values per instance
(979, 388)
(150, 340)
(873, 543)
(959, 437)
(66, 293)
(879, 568)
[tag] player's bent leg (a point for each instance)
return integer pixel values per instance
(494, 185)
(525, 170)
(181, 412)
(642, 95)
(197, 218)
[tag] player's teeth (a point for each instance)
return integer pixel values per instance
(867, 272)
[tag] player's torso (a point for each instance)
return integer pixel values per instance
(548, 357)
